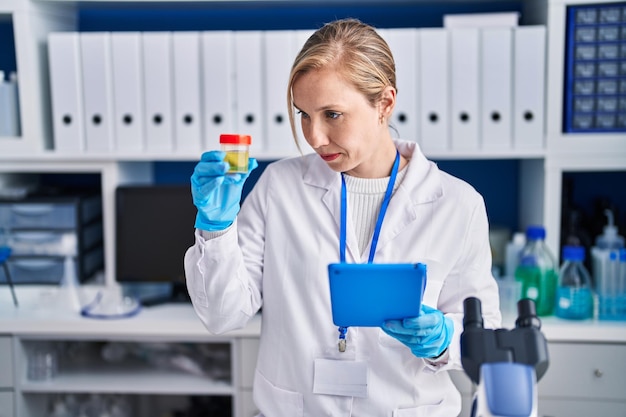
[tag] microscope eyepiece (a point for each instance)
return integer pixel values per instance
(473, 316)
(527, 314)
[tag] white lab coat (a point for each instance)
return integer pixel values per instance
(276, 255)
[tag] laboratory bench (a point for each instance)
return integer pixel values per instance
(586, 375)
(160, 359)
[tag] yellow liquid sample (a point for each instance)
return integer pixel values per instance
(238, 161)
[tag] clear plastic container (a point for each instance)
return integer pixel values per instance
(513, 250)
(42, 361)
(537, 271)
(606, 268)
(237, 151)
(621, 295)
(509, 290)
(612, 291)
(574, 299)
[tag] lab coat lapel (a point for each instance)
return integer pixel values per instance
(317, 174)
(421, 185)
(400, 213)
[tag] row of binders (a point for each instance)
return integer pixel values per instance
(170, 92)
(461, 89)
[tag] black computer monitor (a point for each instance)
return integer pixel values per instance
(154, 227)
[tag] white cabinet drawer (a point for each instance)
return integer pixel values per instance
(550, 407)
(38, 215)
(51, 213)
(6, 363)
(585, 371)
(246, 358)
(6, 404)
(246, 404)
(34, 270)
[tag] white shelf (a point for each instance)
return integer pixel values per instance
(164, 322)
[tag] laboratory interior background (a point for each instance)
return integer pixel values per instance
(105, 107)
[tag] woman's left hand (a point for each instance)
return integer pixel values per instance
(427, 335)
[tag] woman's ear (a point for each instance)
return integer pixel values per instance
(387, 102)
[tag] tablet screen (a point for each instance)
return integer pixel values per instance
(368, 294)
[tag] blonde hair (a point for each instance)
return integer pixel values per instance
(355, 50)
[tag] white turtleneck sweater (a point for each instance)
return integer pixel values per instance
(365, 197)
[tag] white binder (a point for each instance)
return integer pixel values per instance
(249, 87)
(66, 88)
(480, 20)
(218, 86)
(529, 72)
(279, 53)
(187, 123)
(127, 91)
(404, 45)
(433, 89)
(9, 105)
(496, 88)
(95, 52)
(158, 102)
(302, 35)
(464, 82)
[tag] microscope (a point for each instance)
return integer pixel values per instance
(505, 365)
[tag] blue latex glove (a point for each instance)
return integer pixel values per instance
(215, 193)
(427, 335)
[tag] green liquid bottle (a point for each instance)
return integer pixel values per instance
(537, 271)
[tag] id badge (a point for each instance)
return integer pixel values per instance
(340, 377)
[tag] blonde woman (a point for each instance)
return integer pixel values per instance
(274, 252)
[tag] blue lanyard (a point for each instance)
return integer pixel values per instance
(379, 224)
(381, 215)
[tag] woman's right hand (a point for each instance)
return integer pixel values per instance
(215, 193)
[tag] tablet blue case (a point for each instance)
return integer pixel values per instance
(368, 294)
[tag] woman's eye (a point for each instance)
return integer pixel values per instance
(332, 115)
(302, 114)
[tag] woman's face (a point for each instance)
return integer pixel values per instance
(340, 124)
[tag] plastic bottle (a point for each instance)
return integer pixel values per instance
(609, 239)
(574, 296)
(237, 151)
(42, 361)
(621, 298)
(612, 292)
(513, 251)
(537, 271)
(59, 409)
(69, 285)
(605, 264)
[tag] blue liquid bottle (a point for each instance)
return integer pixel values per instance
(574, 299)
